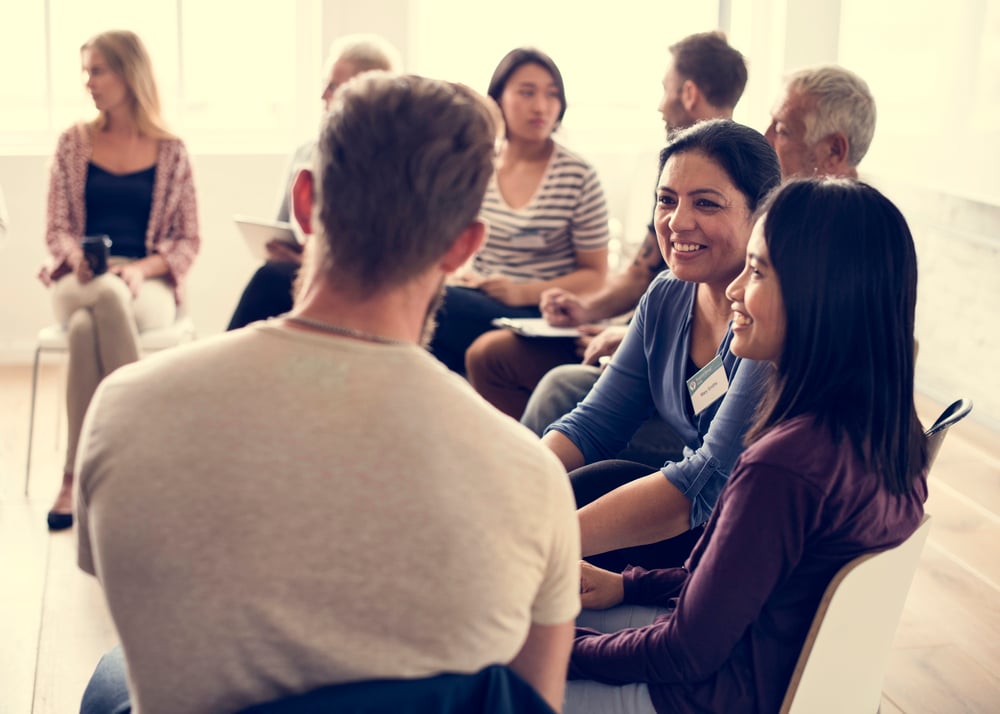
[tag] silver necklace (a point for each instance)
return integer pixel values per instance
(339, 330)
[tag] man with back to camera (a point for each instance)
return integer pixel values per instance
(823, 123)
(704, 80)
(316, 499)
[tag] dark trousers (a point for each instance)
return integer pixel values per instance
(268, 294)
(464, 315)
(593, 481)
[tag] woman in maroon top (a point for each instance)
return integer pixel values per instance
(835, 467)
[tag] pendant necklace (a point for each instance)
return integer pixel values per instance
(343, 331)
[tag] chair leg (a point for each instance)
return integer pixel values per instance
(31, 417)
(60, 407)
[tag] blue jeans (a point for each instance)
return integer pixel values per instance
(107, 690)
(464, 315)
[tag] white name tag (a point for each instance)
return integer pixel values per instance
(708, 385)
(528, 240)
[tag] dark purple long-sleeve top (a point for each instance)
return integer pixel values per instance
(797, 507)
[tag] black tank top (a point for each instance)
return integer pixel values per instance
(118, 205)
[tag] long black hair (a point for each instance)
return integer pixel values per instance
(847, 267)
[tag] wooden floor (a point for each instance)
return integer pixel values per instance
(54, 627)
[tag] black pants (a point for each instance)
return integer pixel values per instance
(593, 481)
(268, 294)
(464, 315)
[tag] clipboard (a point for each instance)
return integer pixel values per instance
(534, 327)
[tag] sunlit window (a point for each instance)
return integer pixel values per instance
(612, 55)
(23, 91)
(246, 81)
(221, 83)
(935, 72)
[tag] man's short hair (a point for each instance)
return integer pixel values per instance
(718, 69)
(402, 166)
(365, 52)
(843, 103)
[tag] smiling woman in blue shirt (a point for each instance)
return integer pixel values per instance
(712, 178)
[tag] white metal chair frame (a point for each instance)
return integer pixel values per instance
(53, 339)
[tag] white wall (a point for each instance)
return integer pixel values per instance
(958, 254)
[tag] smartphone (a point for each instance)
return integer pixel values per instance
(95, 252)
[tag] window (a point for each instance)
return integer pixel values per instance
(227, 72)
(245, 82)
(933, 70)
(24, 91)
(612, 56)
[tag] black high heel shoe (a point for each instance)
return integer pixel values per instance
(59, 521)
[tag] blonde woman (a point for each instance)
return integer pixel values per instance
(125, 179)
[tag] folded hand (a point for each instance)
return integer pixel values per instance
(599, 588)
(132, 274)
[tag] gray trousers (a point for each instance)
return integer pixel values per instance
(103, 323)
(587, 697)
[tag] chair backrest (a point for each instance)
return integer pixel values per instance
(954, 413)
(176, 334)
(843, 660)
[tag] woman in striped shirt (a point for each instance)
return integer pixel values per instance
(547, 216)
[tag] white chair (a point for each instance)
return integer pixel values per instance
(842, 663)
(53, 339)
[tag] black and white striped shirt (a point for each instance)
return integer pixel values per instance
(539, 241)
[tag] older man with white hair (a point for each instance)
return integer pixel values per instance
(823, 123)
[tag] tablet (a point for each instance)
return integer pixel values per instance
(258, 232)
